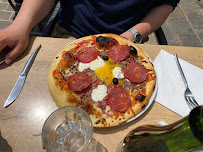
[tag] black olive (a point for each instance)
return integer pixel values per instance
(140, 97)
(102, 41)
(106, 58)
(115, 81)
(101, 38)
(68, 55)
(133, 50)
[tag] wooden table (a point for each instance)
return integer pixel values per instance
(21, 123)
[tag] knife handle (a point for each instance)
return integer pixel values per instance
(30, 61)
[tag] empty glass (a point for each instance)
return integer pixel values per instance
(67, 129)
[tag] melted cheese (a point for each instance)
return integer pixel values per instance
(118, 73)
(99, 93)
(94, 65)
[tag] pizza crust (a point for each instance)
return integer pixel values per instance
(62, 98)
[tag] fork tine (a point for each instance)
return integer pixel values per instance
(194, 101)
(190, 102)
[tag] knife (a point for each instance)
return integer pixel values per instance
(21, 80)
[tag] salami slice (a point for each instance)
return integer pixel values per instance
(136, 73)
(87, 54)
(118, 99)
(79, 81)
(119, 52)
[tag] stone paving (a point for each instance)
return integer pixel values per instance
(184, 26)
(6, 14)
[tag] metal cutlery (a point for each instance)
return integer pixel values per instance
(21, 80)
(188, 94)
(2, 62)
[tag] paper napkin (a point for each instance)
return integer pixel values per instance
(171, 87)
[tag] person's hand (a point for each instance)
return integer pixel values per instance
(16, 38)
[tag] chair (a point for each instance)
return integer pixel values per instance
(49, 27)
(161, 38)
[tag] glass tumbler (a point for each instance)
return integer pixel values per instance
(67, 129)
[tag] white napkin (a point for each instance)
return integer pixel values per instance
(171, 87)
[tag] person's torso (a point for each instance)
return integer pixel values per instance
(86, 17)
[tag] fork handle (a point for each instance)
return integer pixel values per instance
(180, 69)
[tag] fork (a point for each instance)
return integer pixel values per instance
(188, 94)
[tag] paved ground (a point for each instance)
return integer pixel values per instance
(184, 27)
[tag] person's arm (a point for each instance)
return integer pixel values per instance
(16, 36)
(152, 21)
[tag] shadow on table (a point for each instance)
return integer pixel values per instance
(4, 146)
(6, 50)
(96, 146)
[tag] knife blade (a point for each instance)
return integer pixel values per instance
(21, 80)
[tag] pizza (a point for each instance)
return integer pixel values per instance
(106, 75)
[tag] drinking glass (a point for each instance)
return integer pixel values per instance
(67, 129)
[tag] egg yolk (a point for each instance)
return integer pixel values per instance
(106, 72)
